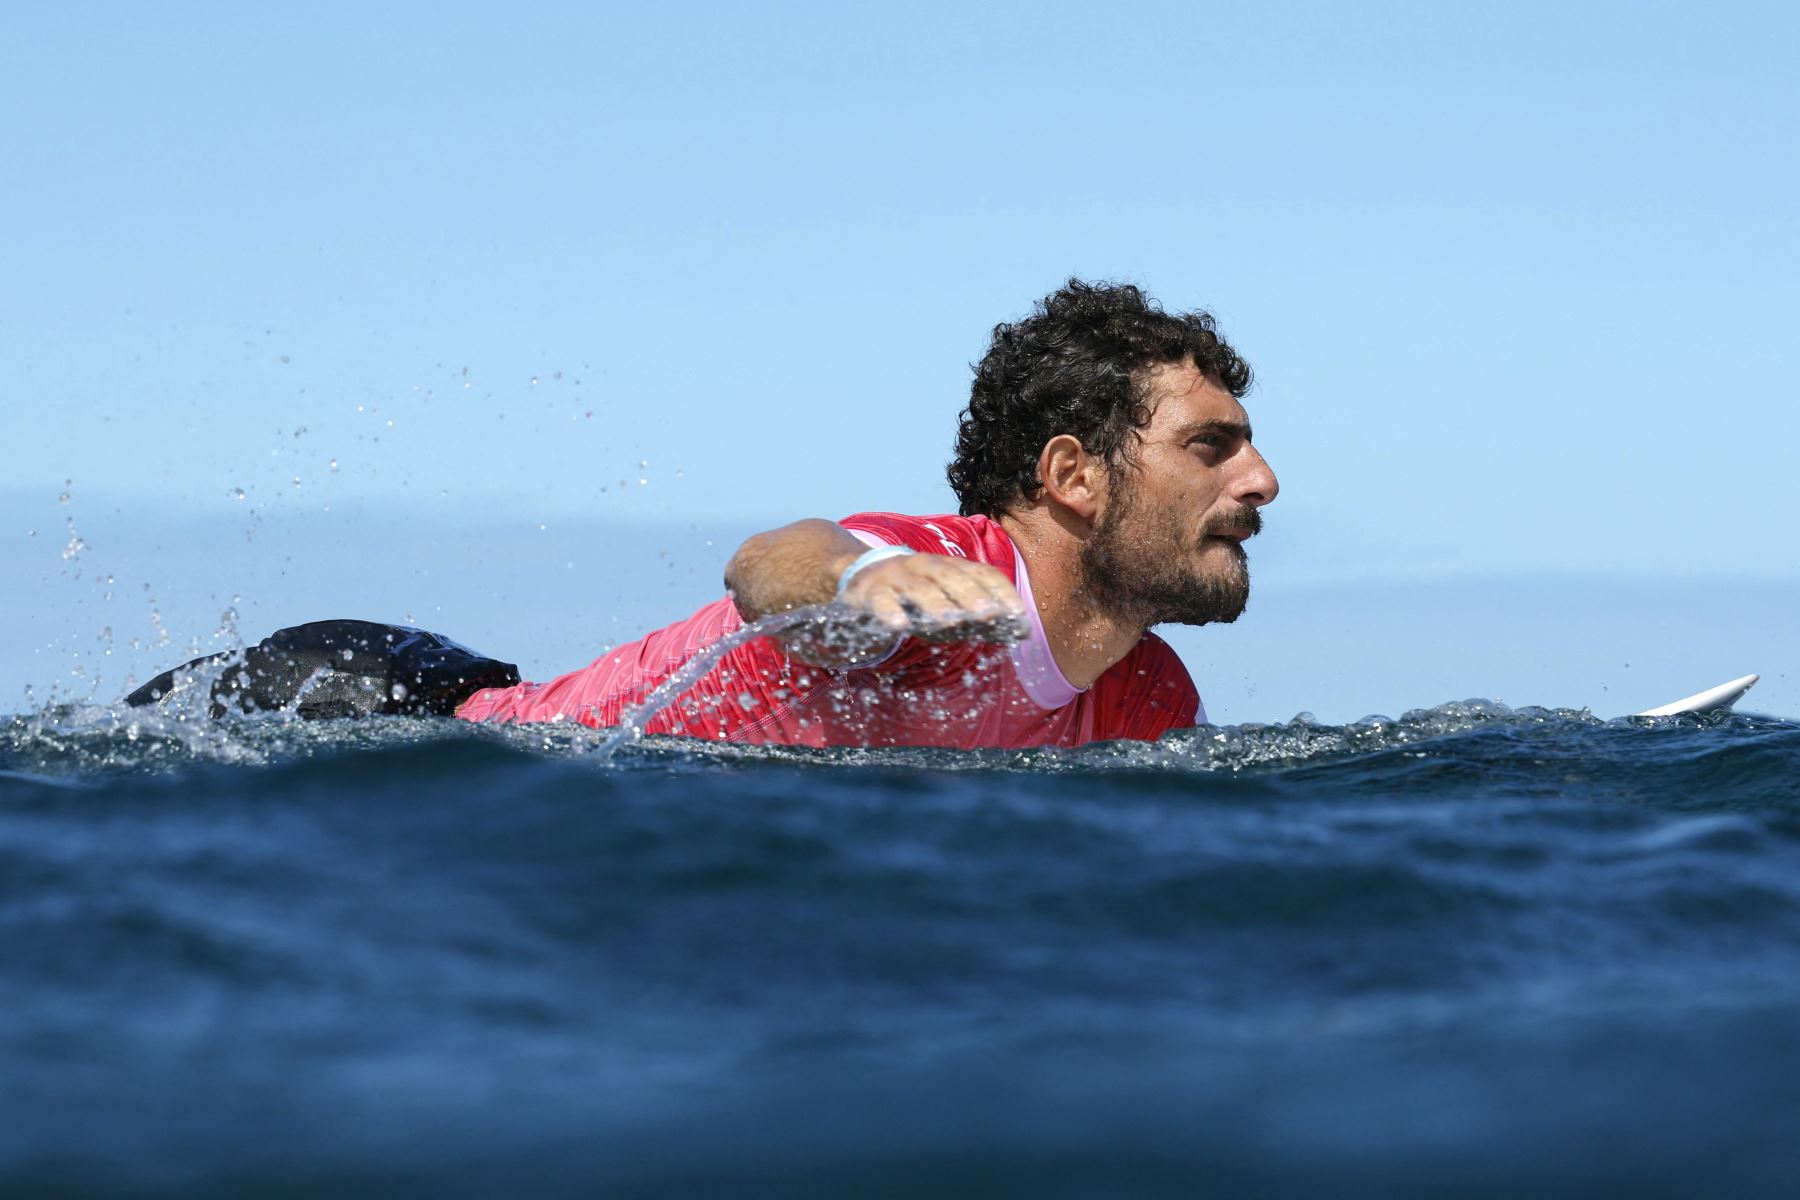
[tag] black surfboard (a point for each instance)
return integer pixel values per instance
(342, 669)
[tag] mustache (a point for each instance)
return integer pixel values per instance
(1244, 519)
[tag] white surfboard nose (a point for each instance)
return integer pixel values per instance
(1723, 696)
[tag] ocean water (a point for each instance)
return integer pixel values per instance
(1471, 951)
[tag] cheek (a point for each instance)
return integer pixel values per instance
(1193, 502)
(1196, 484)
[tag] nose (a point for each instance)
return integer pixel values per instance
(1256, 484)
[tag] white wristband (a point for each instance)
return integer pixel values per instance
(868, 558)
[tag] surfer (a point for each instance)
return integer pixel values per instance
(1106, 480)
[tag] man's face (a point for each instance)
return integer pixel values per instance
(1167, 543)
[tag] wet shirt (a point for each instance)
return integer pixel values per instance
(965, 695)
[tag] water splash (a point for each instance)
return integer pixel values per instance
(633, 721)
(838, 627)
(1534, 749)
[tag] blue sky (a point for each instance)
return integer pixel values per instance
(1518, 284)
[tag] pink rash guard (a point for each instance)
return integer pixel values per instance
(963, 695)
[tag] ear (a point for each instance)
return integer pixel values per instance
(1071, 476)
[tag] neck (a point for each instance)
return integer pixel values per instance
(1084, 640)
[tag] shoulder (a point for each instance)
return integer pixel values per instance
(1148, 692)
(1153, 664)
(977, 537)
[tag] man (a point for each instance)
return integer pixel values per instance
(1106, 481)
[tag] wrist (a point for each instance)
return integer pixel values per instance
(866, 559)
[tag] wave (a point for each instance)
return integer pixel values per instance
(1418, 749)
(248, 952)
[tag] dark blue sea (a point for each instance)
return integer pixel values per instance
(1468, 952)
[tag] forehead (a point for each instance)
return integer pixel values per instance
(1179, 394)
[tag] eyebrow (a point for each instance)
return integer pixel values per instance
(1238, 429)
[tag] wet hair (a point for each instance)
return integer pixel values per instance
(1076, 365)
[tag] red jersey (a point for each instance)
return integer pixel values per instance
(963, 695)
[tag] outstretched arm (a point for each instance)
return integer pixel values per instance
(932, 596)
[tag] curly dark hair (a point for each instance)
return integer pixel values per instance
(1074, 366)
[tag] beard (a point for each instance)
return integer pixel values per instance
(1139, 565)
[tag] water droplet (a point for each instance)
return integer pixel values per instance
(237, 493)
(284, 358)
(334, 464)
(534, 381)
(296, 481)
(63, 499)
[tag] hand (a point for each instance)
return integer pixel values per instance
(940, 599)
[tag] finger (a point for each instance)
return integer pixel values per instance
(903, 587)
(984, 607)
(967, 593)
(973, 588)
(940, 599)
(886, 575)
(944, 623)
(887, 609)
